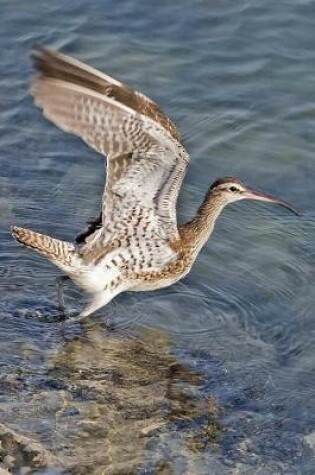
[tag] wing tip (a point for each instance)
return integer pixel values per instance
(38, 54)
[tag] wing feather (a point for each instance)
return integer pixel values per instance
(99, 120)
(59, 66)
(146, 162)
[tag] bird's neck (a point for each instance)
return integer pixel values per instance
(196, 232)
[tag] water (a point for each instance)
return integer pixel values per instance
(216, 374)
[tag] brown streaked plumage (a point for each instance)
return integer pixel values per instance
(135, 244)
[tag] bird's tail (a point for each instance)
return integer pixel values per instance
(61, 253)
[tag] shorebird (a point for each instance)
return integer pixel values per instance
(136, 243)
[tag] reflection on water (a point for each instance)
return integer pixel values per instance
(105, 398)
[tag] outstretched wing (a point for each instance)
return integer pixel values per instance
(145, 161)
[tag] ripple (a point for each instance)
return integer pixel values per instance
(238, 78)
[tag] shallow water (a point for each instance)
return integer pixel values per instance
(214, 375)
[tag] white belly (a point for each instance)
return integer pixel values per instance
(95, 278)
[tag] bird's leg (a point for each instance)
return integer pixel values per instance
(92, 226)
(99, 300)
(60, 297)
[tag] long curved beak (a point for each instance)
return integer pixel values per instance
(257, 195)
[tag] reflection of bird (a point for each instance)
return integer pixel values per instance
(136, 243)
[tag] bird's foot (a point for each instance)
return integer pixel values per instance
(82, 318)
(62, 314)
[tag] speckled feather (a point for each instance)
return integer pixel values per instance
(145, 161)
(136, 243)
(146, 164)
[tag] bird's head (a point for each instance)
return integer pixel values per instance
(230, 189)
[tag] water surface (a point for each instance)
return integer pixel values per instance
(215, 374)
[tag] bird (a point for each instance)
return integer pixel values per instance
(135, 244)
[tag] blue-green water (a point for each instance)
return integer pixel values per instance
(214, 375)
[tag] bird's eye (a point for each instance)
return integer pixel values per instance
(233, 188)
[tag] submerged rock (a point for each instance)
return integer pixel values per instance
(107, 404)
(22, 454)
